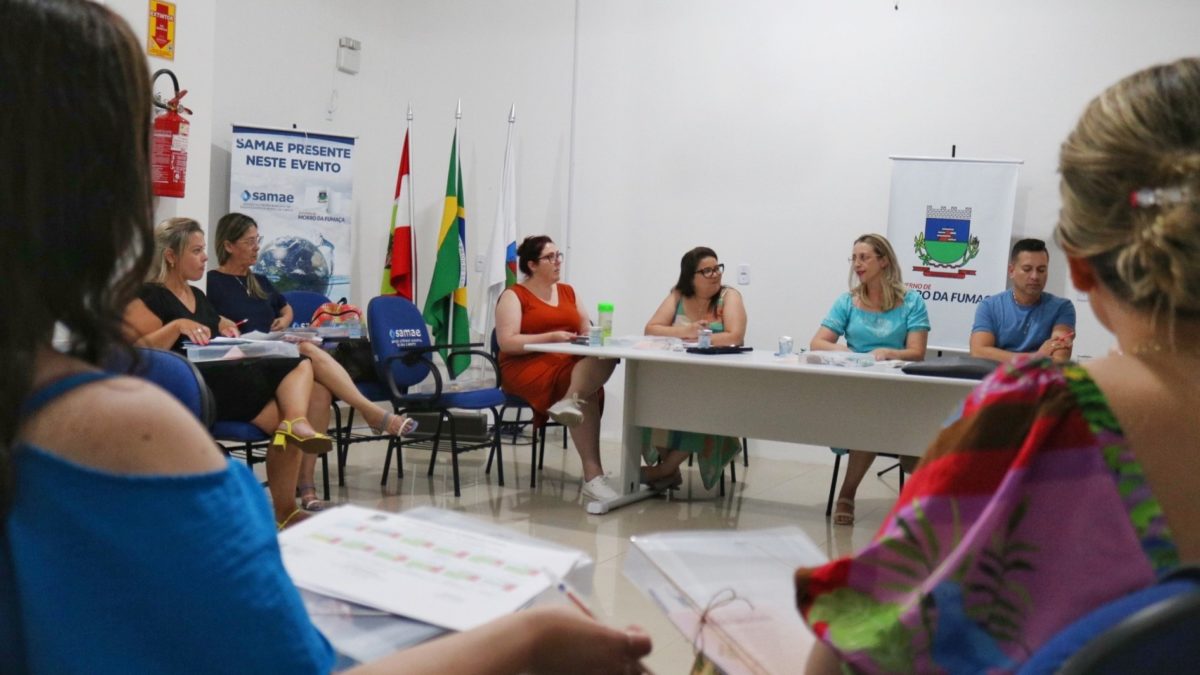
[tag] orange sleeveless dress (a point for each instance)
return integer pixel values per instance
(541, 379)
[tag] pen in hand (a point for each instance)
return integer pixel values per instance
(567, 592)
(574, 598)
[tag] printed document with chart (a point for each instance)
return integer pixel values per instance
(446, 576)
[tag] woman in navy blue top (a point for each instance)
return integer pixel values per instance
(240, 294)
(128, 544)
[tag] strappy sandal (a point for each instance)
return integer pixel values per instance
(297, 516)
(843, 513)
(408, 426)
(317, 444)
(309, 501)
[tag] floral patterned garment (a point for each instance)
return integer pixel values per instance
(1027, 512)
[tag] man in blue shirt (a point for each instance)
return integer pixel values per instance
(1024, 319)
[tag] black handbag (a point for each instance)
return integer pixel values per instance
(356, 357)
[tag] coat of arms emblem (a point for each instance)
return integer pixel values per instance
(946, 245)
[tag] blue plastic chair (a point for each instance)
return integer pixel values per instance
(404, 357)
(304, 304)
(178, 376)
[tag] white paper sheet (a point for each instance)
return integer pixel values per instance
(688, 572)
(442, 575)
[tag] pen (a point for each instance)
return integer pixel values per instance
(568, 592)
(238, 324)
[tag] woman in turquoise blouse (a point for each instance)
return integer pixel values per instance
(698, 300)
(878, 316)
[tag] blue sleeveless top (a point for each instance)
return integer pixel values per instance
(109, 573)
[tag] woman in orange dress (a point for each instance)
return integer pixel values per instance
(568, 389)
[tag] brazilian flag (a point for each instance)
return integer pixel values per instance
(446, 303)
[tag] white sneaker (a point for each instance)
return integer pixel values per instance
(566, 412)
(599, 490)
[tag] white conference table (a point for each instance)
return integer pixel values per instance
(758, 395)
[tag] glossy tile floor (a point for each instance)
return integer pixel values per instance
(770, 493)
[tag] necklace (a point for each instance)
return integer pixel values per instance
(242, 280)
(1156, 347)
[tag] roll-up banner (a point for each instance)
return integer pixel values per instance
(950, 222)
(298, 186)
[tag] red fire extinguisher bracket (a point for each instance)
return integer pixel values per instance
(168, 151)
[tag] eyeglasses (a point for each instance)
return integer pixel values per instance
(861, 257)
(710, 272)
(251, 241)
(557, 256)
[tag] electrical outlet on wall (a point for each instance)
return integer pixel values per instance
(743, 274)
(479, 262)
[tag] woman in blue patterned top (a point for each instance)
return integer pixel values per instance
(878, 316)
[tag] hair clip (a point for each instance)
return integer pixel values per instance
(1147, 197)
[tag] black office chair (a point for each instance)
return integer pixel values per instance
(537, 442)
(837, 465)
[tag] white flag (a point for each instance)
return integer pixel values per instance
(500, 270)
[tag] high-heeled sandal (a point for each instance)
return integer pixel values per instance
(843, 514)
(385, 426)
(317, 444)
(309, 501)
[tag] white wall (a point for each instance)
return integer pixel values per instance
(760, 128)
(193, 66)
(276, 60)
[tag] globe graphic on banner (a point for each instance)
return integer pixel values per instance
(295, 264)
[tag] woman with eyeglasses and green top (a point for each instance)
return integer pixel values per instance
(878, 316)
(698, 301)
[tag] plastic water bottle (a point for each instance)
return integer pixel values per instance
(354, 327)
(605, 314)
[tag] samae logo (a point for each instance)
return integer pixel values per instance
(268, 197)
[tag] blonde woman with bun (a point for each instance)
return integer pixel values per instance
(1058, 489)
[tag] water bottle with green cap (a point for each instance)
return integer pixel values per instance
(605, 311)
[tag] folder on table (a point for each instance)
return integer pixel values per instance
(741, 582)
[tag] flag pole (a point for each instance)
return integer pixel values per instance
(458, 190)
(412, 221)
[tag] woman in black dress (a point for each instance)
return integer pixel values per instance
(274, 394)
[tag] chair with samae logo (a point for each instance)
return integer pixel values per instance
(404, 358)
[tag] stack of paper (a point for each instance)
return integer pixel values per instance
(744, 581)
(440, 574)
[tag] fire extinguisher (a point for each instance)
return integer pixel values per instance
(168, 153)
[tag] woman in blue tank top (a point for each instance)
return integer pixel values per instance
(128, 544)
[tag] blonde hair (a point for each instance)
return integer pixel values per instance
(893, 283)
(1141, 135)
(230, 228)
(170, 235)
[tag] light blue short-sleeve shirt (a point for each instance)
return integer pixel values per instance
(867, 331)
(1021, 328)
